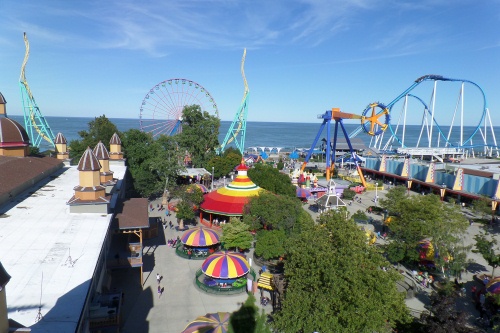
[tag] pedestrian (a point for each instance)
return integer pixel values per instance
(190, 253)
(158, 278)
(159, 291)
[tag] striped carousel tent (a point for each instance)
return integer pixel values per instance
(229, 200)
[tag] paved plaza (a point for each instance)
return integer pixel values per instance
(181, 300)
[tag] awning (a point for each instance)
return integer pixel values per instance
(265, 281)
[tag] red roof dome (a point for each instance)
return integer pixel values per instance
(12, 134)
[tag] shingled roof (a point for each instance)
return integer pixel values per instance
(88, 162)
(101, 152)
(132, 214)
(115, 140)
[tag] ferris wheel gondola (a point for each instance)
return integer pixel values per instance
(162, 107)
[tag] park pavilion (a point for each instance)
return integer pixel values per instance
(229, 200)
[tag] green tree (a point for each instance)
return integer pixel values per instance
(425, 217)
(235, 234)
(272, 180)
(270, 244)
(199, 136)
(486, 247)
(150, 162)
(393, 197)
(225, 163)
(271, 211)
(247, 318)
(190, 197)
(482, 207)
(99, 129)
(335, 282)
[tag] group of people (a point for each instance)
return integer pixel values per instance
(216, 222)
(425, 279)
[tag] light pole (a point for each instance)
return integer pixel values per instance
(224, 180)
(408, 183)
(494, 204)
(212, 187)
(442, 191)
(376, 194)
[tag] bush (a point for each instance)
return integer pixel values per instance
(349, 194)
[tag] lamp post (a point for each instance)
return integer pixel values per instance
(212, 187)
(494, 204)
(408, 183)
(442, 191)
(376, 194)
(224, 180)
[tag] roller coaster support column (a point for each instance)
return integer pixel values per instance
(327, 118)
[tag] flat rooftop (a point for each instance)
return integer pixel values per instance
(50, 253)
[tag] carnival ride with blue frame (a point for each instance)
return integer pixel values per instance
(239, 124)
(36, 125)
(370, 121)
(448, 140)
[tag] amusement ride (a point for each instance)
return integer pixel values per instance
(239, 124)
(36, 125)
(460, 136)
(161, 108)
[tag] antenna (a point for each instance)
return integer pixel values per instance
(39, 314)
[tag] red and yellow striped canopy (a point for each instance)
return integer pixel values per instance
(229, 200)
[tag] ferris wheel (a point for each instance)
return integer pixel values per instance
(161, 109)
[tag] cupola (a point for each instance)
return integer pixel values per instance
(115, 147)
(102, 155)
(61, 147)
(89, 188)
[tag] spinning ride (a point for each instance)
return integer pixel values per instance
(36, 125)
(161, 108)
(374, 124)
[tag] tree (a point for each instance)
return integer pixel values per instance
(486, 247)
(393, 197)
(190, 197)
(235, 234)
(151, 161)
(335, 282)
(270, 244)
(225, 163)
(482, 207)
(271, 179)
(247, 318)
(99, 129)
(199, 136)
(271, 211)
(425, 217)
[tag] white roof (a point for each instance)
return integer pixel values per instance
(36, 238)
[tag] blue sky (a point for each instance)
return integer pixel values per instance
(90, 58)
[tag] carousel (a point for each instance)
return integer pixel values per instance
(224, 272)
(198, 243)
(220, 205)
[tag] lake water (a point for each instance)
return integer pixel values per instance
(264, 134)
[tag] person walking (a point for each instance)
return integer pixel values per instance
(158, 278)
(159, 291)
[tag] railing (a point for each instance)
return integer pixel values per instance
(229, 290)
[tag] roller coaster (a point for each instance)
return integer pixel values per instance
(461, 138)
(237, 130)
(36, 125)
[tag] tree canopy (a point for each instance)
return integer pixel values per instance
(485, 246)
(225, 163)
(199, 136)
(271, 211)
(271, 179)
(99, 129)
(424, 217)
(235, 234)
(335, 282)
